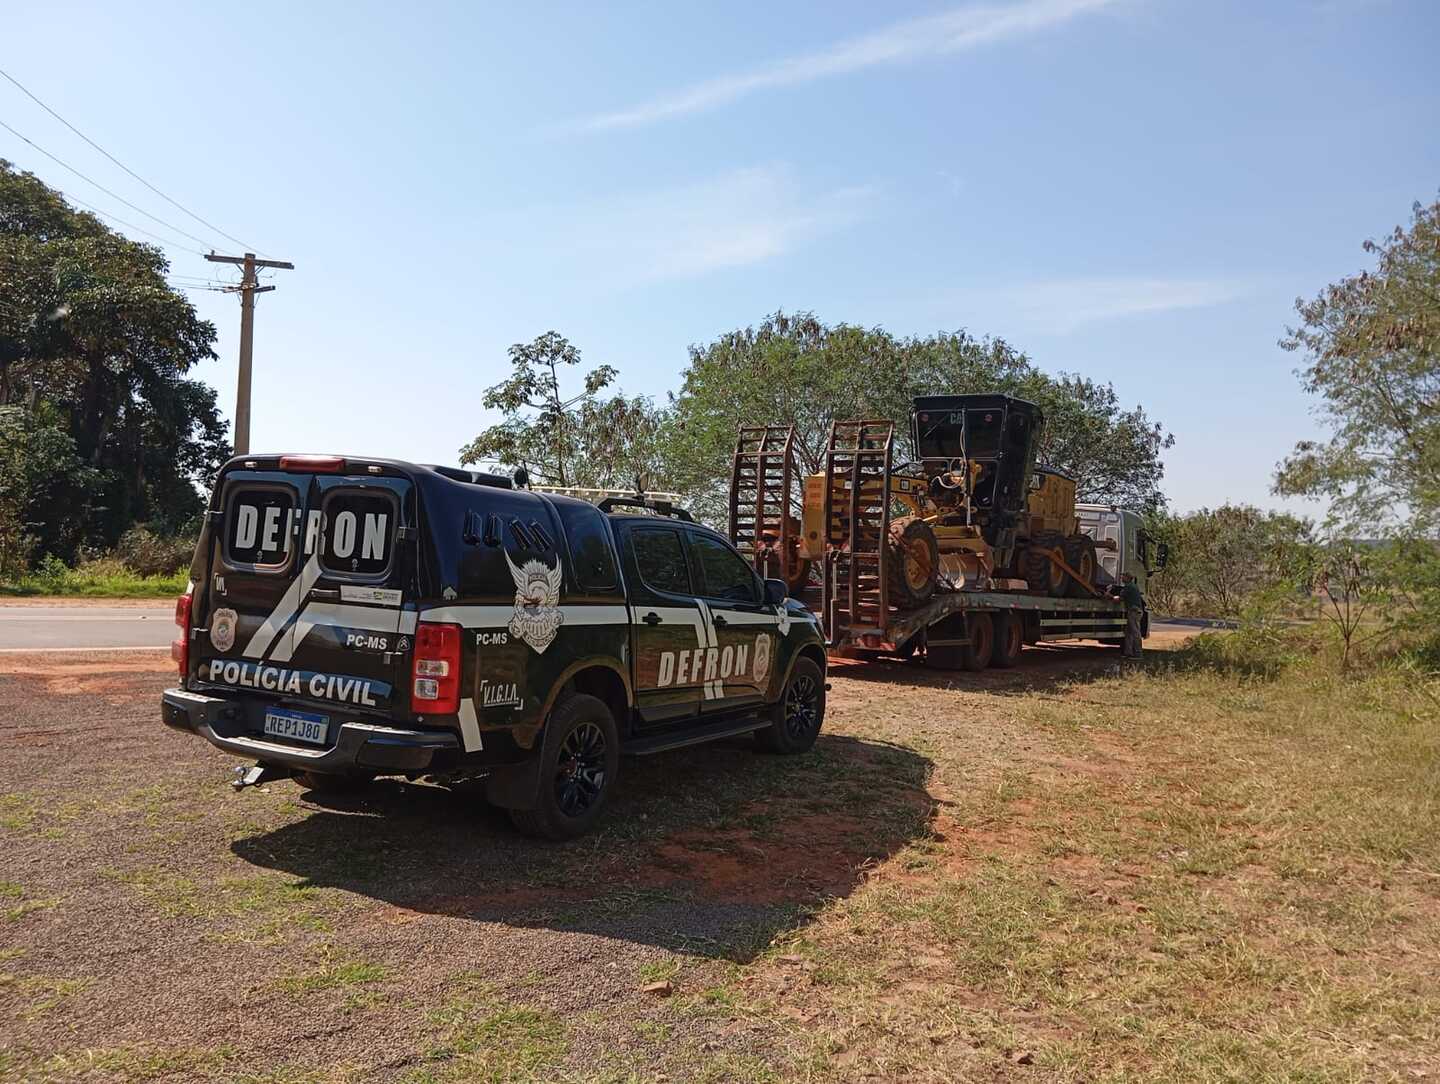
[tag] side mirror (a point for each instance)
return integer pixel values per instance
(1162, 555)
(776, 591)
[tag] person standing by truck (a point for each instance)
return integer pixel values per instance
(1134, 615)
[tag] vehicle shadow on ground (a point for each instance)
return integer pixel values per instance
(712, 850)
(1041, 669)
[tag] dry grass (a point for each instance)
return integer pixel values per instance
(1199, 877)
(1067, 872)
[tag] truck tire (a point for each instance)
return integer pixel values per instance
(329, 783)
(1009, 641)
(1080, 555)
(945, 656)
(1043, 574)
(579, 762)
(977, 653)
(799, 714)
(914, 557)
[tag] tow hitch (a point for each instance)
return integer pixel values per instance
(259, 773)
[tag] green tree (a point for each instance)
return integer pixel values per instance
(795, 369)
(94, 346)
(1223, 560)
(563, 439)
(1372, 349)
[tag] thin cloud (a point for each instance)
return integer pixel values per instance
(935, 35)
(736, 219)
(1060, 306)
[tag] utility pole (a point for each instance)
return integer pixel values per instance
(248, 288)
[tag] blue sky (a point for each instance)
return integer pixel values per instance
(1136, 190)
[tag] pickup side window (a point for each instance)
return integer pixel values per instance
(661, 560)
(591, 555)
(724, 572)
(258, 521)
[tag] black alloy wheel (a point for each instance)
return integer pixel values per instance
(797, 718)
(801, 707)
(580, 770)
(577, 771)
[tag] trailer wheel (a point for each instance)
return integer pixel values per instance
(1043, 574)
(1080, 555)
(977, 653)
(914, 561)
(1009, 641)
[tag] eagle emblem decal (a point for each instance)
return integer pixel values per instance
(537, 616)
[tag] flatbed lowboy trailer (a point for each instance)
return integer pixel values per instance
(776, 519)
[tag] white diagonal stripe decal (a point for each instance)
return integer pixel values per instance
(470, 726)
(284, 609)
(345, 616)
(715, 687)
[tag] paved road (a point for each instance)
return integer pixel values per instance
(94, 627)
(55, 627)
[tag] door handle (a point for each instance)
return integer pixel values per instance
(720, 621)
(651, 618)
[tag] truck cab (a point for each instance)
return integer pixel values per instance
(351, 617)
(1122, 544)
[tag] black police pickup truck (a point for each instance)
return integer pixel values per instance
(353, 617)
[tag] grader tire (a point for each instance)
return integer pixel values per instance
(914, 557)
(1043, 574)
(1080, 555)
(794, 568)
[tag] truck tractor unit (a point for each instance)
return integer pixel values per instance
(969, 543)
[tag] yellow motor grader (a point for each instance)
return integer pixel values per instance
(972, 511)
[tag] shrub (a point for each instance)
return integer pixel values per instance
(146, 553)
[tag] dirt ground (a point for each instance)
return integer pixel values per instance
(157, 926)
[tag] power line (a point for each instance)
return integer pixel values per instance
(130, 225)
(122, 165)
(97, 184)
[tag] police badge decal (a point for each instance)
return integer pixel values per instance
(222, 629)
(537, 616)
(762, 657)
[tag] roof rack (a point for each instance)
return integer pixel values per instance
(595, 496)
(649, 502)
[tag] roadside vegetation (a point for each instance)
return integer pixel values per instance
(1223, 865)
(143, 565)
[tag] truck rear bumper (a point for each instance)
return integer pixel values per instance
(358, 746)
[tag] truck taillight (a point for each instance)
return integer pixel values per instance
(436, 668)
(180, 648)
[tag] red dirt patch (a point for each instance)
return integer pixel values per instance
(57, 665)
(815, 856)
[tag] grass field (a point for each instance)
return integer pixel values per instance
(1064, 872)
(90, 583)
